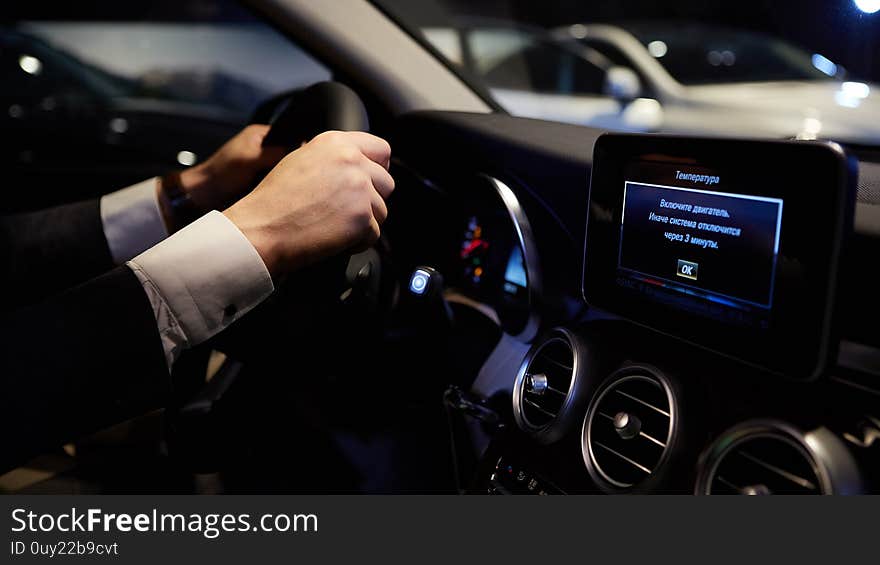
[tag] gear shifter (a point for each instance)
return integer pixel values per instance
(426, 285)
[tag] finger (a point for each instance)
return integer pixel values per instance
(255, 133)
(258, 129)
(383, 182)
(375, 148)
(374, 234)
(380, 209)
(264, 157)
(370, 238)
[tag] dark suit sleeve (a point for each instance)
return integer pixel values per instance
(43, 253)
(78, 362)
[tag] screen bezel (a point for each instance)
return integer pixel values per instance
(800, 339)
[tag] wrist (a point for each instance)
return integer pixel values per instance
(195, 184)
(176, 204)
(260, 237)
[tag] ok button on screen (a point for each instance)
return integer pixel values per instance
(718, 243)
(688, 270)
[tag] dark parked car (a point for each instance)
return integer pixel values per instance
(64, 119)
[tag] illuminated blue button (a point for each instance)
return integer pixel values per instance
(418, 283)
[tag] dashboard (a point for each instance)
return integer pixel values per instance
(700, 310)
(491, 264)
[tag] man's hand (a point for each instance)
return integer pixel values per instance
(232, 171)
(321, 200)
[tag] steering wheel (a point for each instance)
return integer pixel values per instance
(343, 299)
(345, 291)
(298, 116)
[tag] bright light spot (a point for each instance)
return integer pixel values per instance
(810, 129)
(578, 31)
(812, 125)
(856, 89)
(186, 158)
(851, 94)
(845, 100)
(30, 65)
(120, 125)
(868, 6)
(658, 49)
(824, 64)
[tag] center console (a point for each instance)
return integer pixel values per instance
(708, 360)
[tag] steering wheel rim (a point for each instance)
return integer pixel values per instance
(298, 116)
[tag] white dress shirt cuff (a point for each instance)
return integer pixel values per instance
(132, 220)
(207, 275)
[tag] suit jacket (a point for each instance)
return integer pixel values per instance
(79, 348)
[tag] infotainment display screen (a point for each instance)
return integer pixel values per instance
(732, 245)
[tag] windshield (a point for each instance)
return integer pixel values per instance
(747, 68)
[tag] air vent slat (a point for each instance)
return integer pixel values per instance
(729, 484)
(539, 408)
(549, 389)
(800, 481)
(653, 440)
(559, 364)
(624, 458)
(628, 426)
(643, 403)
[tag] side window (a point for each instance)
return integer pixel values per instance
(585, 77)
(87, 106)
(612, 52)
(620, 59)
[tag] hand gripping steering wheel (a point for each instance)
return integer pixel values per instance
(342, 300)
(351, 282)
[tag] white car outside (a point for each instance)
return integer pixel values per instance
(641, 94)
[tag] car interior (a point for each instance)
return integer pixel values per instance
(552, 308)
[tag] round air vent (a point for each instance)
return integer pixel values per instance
(546, 386)
(628, 428)
(763, 457)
